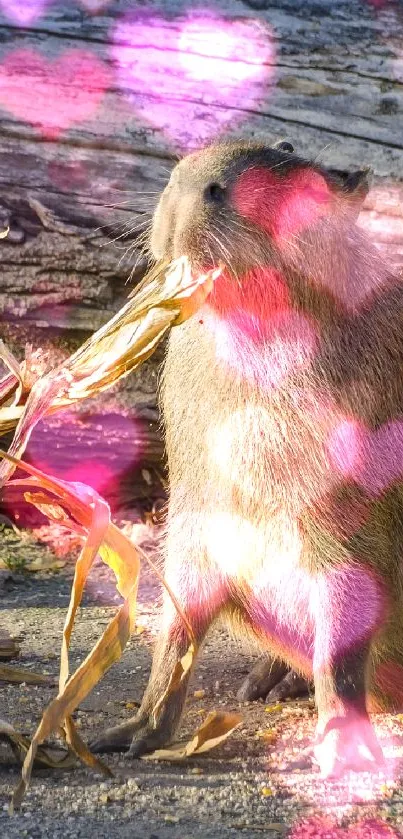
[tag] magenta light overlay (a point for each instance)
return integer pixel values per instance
(195, 76)
(373, 459)
(52, 95)
(24, 12)
(27, 12)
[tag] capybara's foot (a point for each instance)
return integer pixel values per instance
(347, 742)
(147, 740)
(116, 739)
(291, 686)
(272, 680)
(136, 736)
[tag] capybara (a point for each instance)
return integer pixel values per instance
(283, 407)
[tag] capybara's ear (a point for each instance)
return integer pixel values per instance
(284, 145)
(355, 185)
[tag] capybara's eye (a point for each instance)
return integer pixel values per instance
(214, 192)
(285, 146)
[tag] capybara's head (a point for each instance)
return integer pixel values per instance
(244, 204)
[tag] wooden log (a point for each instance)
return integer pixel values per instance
(333, 87)
(71, 181)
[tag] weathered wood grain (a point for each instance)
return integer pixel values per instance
(334, 88)
(335, 92)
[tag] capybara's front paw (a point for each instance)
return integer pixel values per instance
(347, 743)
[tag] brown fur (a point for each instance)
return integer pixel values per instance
(261, 525)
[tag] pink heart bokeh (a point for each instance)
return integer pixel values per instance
(289, 345)
(26, 12)
(94, 6)
(257, 334)
(373, 459)
(115, 447)
(172, 75)
(52, 95)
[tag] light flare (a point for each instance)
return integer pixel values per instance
(24, 12)
(52, 95)
(173, 74)
(282, 204)
(373, 459)
(327, 827)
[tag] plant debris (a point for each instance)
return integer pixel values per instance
(216, 728)
(20, 675)
(168, 296)
(49, 756)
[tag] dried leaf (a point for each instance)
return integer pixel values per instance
(8, 384)
(269, 735)
(169, 295)
(273, 709)
(42, 503)
(50, 756)
(92, 515)
(98, 527)
(178, 674)
(80, 508)
(9, 417)
(19, 675)
(216, 728)
(107, 650)
(82, 751)
(11, 362)
(21, 377)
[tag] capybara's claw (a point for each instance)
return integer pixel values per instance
(290, 687)
(145, 742)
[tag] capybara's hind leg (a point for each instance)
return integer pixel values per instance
(154, 725)
(158, 717)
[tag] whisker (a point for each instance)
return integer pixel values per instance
(220, 244)
(224, 249)
(125, 234)
(119, 225)
(140, 244)
(125, 225)
(327, 146)
(298, 239)
(140, 256)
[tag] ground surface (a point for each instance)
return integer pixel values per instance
(252, 785)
